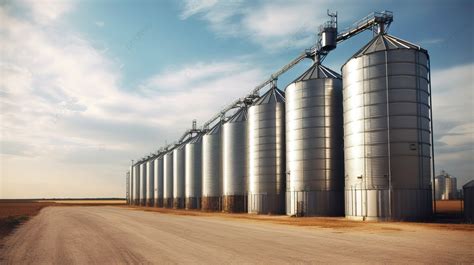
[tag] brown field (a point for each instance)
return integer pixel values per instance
(318, 222)
(452, 206)
(15, 212)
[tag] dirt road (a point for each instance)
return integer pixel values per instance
(118, 235)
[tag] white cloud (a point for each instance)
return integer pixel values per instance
(274, 25)
(47, 11)
(63, 108)
(192, 7)
(453, 112)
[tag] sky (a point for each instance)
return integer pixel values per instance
(87, 86)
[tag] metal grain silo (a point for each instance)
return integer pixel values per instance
(130, 187)
(387, 131)
(168, 179)
(150, 176)
(468, 192)
(178, 176)
(193, 172)
(158, 167)
(234, 163)
(266, 157)
(143, 184)
(440, 187)
(212, 169)
(136, 177)
(314, 144)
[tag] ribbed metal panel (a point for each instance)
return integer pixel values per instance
(266, 159)
(150, 176)
(179, 176)
(440, 187)
(212, 169)
(468, 192)
(193, 173)
(314, 144)
(235, 163)
(130, 187)
(143, 184)
(168, 180)
(387, 131)
(159, 173)
(136, 177)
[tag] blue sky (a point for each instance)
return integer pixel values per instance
(88, 85)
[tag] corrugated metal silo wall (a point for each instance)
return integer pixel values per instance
(387, 132)
(314, 146)
(130, 187)
(143, 185)
(150, 174)
(212, 169)
(234, 164)
(158, 189)
(178, 176)
(168, 180)
(266, 158)
(193, 173)
(468, 193)
(136, 177)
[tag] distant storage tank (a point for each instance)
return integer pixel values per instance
(314, 144)
(178, 176)
(137, 186)
(212, 169)
(266, 159)
(235, 162)
(451, 188)
(440, 187)
(143, 184)
(193, 172)
(468, 192)
(130, 187)
(158, 167)
(150, 175)
(168, 179)
(387, 131)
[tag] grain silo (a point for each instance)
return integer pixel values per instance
(314, 144)
(158, 167)
(440, 187)
(212, 169)
(387, 131)
(150, 176)
(193, 172)
(143, 184)
(178, 176)
(168, 179)
(468, 192)
(136, 176)
(130, 187)
(234, 162)
(451, 188)
(266, 154)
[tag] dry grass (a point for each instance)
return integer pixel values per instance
(15, 212)
(452, 206)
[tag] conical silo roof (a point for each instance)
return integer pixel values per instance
(469, 185)
(318, 71)
(383, 42)
(216, 128)
(239, 116)
(196, 139)
(274, 95)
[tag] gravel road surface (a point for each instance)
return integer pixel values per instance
(120, 235)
